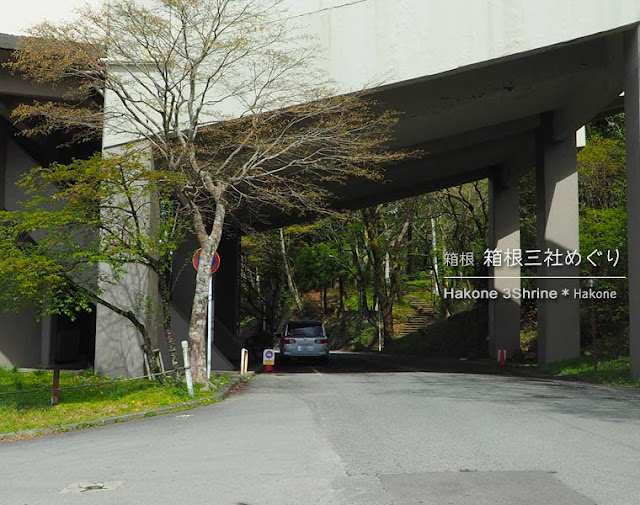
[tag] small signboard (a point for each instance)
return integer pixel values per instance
(268, 357)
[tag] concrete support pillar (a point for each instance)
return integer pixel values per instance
(632, 118)
(118, 343)
(46, 332)
(504, 231)
(558, 229)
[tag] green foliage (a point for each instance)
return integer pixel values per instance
(77, 216)
(616, 371)
(464, 217)
(339, 253)
(602, 178)
(348, 330)
(315, 265)
(264, 295)
(603, 227)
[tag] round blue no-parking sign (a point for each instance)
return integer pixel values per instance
(268, 357)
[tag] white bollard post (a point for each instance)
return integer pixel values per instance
(244, 361)
(187, 367)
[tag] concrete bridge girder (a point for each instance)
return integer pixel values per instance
(466, 120)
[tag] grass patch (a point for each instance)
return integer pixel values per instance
(420, 288)
(25, 398)
(404, 310)
(612, 372)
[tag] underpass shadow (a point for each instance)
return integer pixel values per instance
(372, 362)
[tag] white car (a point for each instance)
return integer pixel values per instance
(304, 339)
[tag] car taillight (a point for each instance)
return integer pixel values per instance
(322, 341)
(289, 340)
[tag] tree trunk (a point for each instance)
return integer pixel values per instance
(398, 288)
(410, 259)
(325, 305)
(146, 339)
(288, 274)
(165, 296)
(361, 284)
(371, 219)
(342, 293)
(198, 323)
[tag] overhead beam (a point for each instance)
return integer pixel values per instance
(500, 91)
(597, 92)
(17, 86)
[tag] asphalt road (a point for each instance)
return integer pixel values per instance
(364, 430)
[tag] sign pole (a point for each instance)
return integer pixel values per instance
(209, 326)
(215, 264)
(379, 325)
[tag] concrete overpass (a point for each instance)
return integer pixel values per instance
(488, 89)
(491, 89)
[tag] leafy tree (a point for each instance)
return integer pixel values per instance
(226, 95)
(265, 298)
(343, 257)
(79, 228)
(384, 241)
(462, 217)
(603, 227)
(601, 165)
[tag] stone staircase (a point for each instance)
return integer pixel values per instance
(423, 316)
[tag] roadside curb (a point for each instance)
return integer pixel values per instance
(221, 394)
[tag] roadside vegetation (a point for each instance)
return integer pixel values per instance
(614, 372)
(25, 398)
(379, 271)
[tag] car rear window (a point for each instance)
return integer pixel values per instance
(305, 330)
